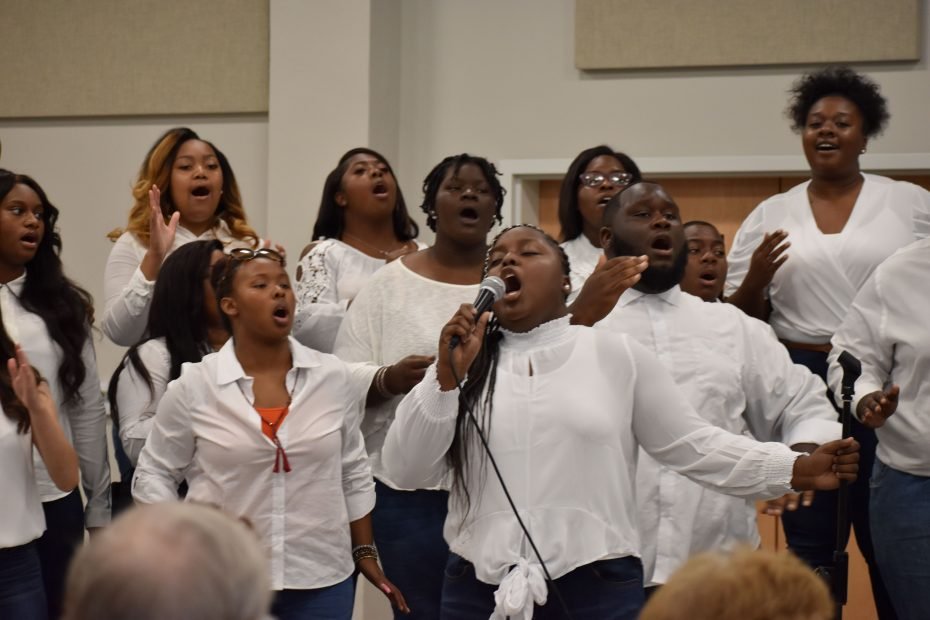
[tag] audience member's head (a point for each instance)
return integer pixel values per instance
(707, 261)
(741, 585)
(171, 560)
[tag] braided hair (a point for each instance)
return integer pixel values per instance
(435, 177)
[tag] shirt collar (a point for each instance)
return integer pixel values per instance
(16, 286)
(230, 370)
(671, 296)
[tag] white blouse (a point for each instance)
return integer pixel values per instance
(332, 274)
(22, 519)
(128, 293)
(398, 313)
(571, 407)
(84, 421)
(736, 375)
(582, 258)
(135, 403)
(812, 291)
(888, 329)
(207, 431)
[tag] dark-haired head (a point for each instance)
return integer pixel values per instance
(643, 220)
(253, 294)
(707, 261)
(181, 290)
(331, 218)
(839, 82)
(65, 308)
(579, 205)
(447, 171)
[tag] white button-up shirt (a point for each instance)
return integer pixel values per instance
(736, 375)
(812, 291)
(136, 400)
(571, 407)
(582, 258)
(21, 519)
(207, 431)
(84, 421)
(888, 329)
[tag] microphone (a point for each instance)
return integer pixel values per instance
(492, 288)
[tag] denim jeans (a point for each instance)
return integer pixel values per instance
(900, 507)
(330, 603)
(64, 533)
(22, 595)
(408, 532)
(811, 531)
(604, 590)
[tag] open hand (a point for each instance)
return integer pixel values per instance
(161, 235)
(605, 285)
(767, 259)
(875, 408)
(25, 383)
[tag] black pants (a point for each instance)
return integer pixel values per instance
(811, 531)
(64, 533)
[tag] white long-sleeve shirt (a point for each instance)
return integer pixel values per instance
(207, 431)
(571, 407)
(888, 330)
(128, 293)
(84, 421)
(582, 258)
(398, 313)
(736, 375)
(135, 402)
(332, 274)
(812, 291)
(22, 519)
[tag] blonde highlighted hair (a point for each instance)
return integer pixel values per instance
(156, 170)
(742, 585)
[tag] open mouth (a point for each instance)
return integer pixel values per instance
(280, 314)
(512, 285)
(469, 215)
(30, 238)
(603, 200)
(201, 191)
(662, 245)
(826, 146)
(708, 277)
(380, 189)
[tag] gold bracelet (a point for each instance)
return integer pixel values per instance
(361, 552)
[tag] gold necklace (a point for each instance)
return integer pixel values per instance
(371, 247)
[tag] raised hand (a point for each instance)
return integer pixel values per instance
(161, 235)
(604, 287)
(25, 383)
(789, 502)
(470, 330)
(400, 378)
(875, 408)
(373, 573)
(766, 259)
(826, 466)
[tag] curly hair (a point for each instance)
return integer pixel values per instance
(569, 215)
(66, 309)
(839, 82)
(455, 162)
(331, 219)
(156, 170)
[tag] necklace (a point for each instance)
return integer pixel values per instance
(371, 247)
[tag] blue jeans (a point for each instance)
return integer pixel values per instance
(811, 531)
(900, 509)
(604, 590)
(408, 532)
(22, 595)
(330, 603)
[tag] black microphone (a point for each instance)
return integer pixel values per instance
(492, 288)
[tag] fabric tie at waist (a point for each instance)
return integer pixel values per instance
(524, 586)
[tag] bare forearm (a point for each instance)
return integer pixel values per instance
(752, 301)
(361, 531)
(57, 453)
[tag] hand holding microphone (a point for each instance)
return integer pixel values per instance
(463, 335)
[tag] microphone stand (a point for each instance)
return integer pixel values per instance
(839, 581)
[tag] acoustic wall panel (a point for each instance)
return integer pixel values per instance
(133, 57)
(647, 34)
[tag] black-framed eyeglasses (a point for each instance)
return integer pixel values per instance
(595, 179)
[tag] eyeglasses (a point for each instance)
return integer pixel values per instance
(594, 179)
(244, 255)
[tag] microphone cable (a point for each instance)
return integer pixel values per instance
(500, 478)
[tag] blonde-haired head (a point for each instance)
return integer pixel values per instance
(156, 170)
(742, 585)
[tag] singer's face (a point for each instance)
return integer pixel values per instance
(591, 200)
(368, 187)
(262, 301)
(465, 206)
(532, 270)
(21, 226)
(196, 184)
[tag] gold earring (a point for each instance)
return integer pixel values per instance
(862, 152)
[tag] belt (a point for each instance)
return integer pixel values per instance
(808, 346)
